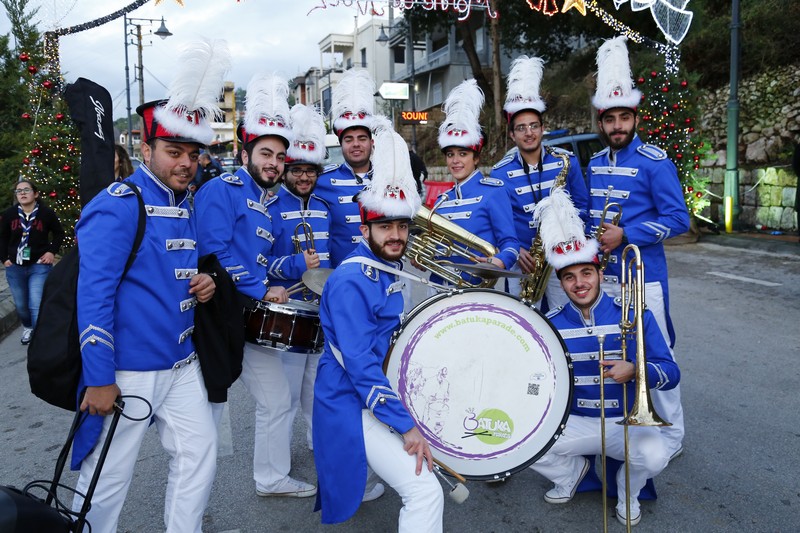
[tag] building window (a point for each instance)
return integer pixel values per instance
(364, 57)
(326, 100)
(349, 63)
(479, 39)
(437, 93)
(399, 55)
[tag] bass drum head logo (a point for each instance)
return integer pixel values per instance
(491, 426)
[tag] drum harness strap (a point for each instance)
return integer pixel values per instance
(392, 270)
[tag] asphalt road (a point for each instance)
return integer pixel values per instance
(736, 313)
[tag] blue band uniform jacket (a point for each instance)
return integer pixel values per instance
(645, 183)
(145, 322)
(235, 225)
(360, 309)
(285, 266)
(526, 189)
(580, 336)
(481, 206)
(336, 186)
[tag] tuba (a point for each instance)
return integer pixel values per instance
(435, 236)
(533, 285)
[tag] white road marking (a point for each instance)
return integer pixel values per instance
(746, 280)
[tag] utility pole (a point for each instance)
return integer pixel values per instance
(731, 205)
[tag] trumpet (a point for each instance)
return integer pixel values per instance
(308, 237)
(642, 412)
(614, 220)
(438, 237)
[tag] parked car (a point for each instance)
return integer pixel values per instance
(333, 150)
(228, 164)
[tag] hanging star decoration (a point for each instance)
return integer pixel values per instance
(580, 5)
(671, 16)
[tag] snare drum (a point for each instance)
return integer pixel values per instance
(293, 326)
(486, 378)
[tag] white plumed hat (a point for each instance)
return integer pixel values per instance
(193, 96)
(561, 228)
(266, 109)
(353, 101)
(461, 126)
(308, 130)
(392, 193)
(614, 81)
(524, 80)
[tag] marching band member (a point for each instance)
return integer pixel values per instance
(533, 169)
(478, 204)
(236, 225)
(300, 219)
(359, 421)
(645, 183)
(590, 313)
(353, 107)
(136, 328)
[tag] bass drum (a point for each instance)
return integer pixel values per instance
(486, 378)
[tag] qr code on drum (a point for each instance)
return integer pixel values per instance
(533, 389)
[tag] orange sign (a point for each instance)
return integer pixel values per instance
(414, 117)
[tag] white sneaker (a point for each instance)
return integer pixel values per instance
(677, 453)
(621, 517)
(564, 493)
(373, 493)
(26, 335)
(288, 488)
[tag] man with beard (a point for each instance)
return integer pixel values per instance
(589, 314)
(644, 182)
(136, 323)
(359, 421)
(532, 172)
(302, 220)
(236, 225)
(352, 109)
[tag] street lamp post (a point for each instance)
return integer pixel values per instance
(162, 32)
(383, 39)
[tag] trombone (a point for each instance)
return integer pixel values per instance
(642, 412)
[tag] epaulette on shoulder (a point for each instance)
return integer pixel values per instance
(119, 189)
(369, 271)
(553, 312)
(651, 151)
(494, 182)
(233, 179)
(560, 150)
(506, 160)
(331, 167)
(604, 151)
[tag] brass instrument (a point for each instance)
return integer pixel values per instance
(642, 412)
(615, 221)
(533, 285)
(439, 237)
(308, 236)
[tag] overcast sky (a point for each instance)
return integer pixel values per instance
(263, 35)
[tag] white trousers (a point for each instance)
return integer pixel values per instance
(556, 297)
(423, 499)
(185, 426)
(648, 454)
(264, 377)
(667, 403)
(301, 371)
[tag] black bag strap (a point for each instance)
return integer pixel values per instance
(137, 241)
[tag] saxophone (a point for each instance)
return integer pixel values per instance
(533, 285)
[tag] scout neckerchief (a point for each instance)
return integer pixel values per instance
(26, 221)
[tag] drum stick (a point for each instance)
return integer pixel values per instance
(449, 470)
(294, 289)
(458, 492)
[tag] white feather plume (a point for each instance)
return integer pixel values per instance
(614, 80)
(308, 130)
(391, 176)
(524, 81)
(353, 95)
(267, 101)
(561, 228)
(202, 66)
(461, 126)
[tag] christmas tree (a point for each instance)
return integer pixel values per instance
(51, 159)
(667, 120)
